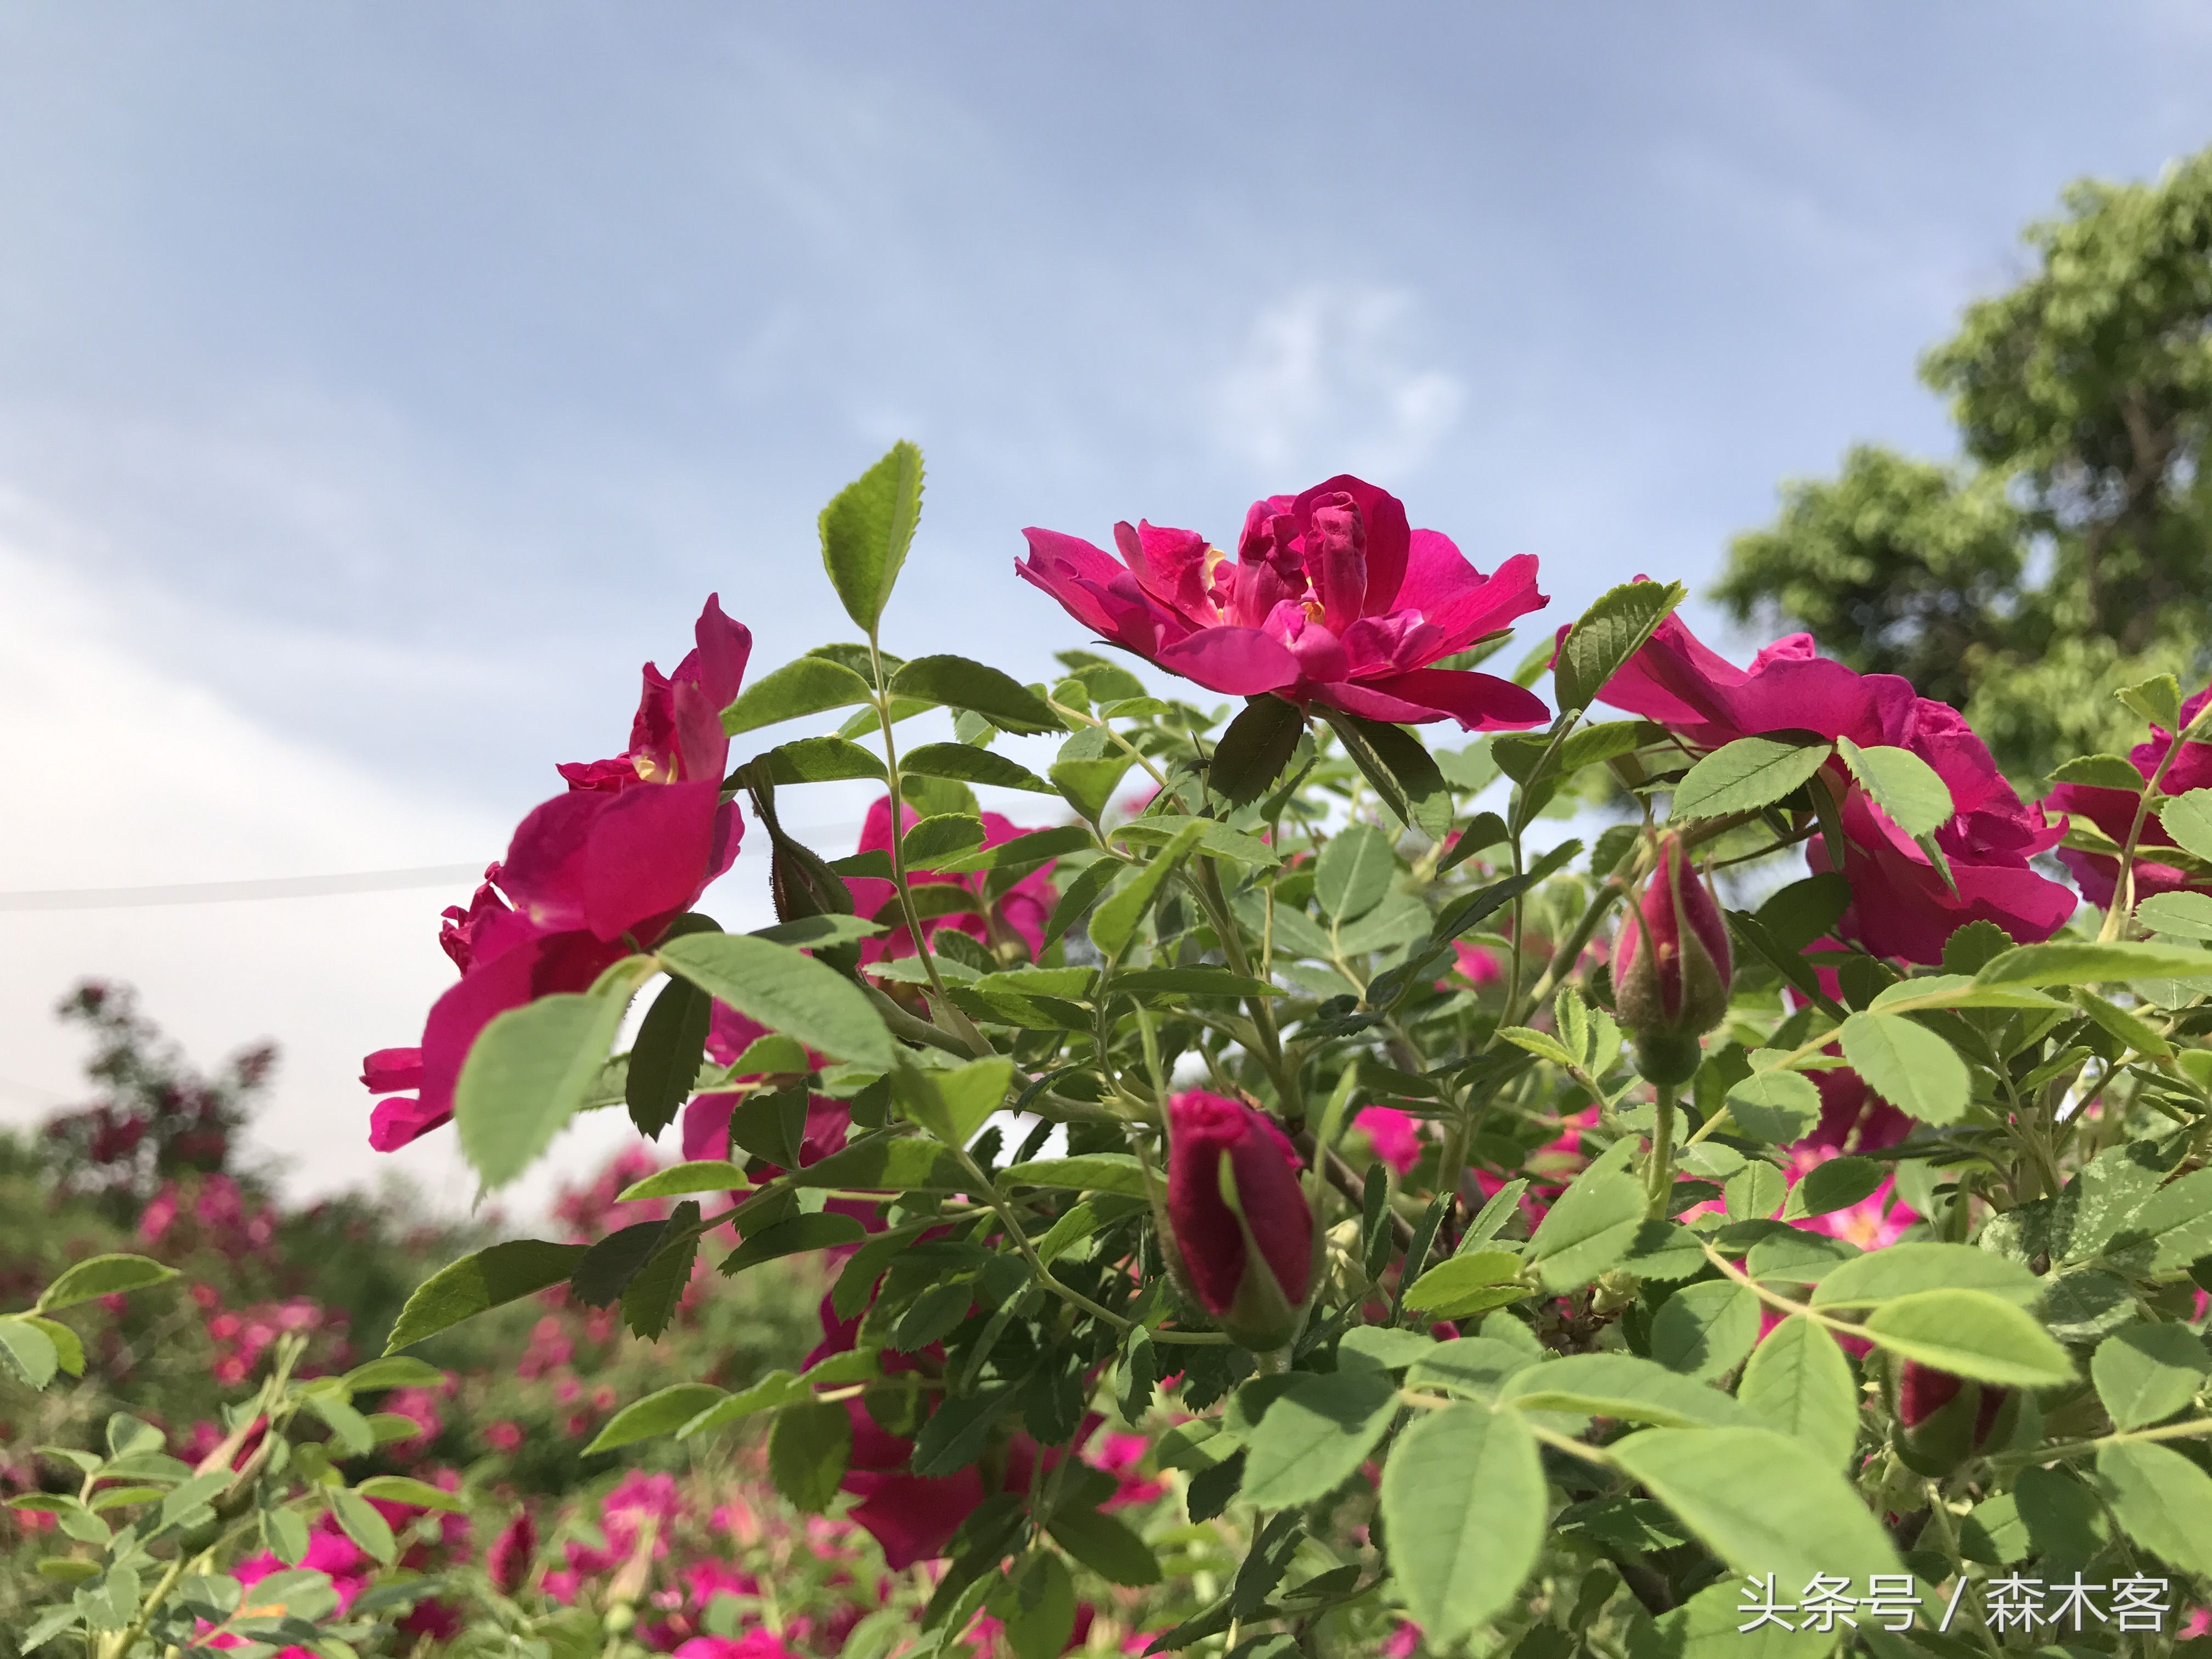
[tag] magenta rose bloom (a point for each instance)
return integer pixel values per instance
(1332, 598)
(1900, 904)
(591, 877)
(2113, 811)
(1204, 1129)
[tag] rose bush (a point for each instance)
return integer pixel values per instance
(1324, 1206)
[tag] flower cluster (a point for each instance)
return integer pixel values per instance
(591, 877)
(2114, 812)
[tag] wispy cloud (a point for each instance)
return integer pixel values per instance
(1331, 378)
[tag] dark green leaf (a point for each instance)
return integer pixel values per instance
(648, 1301)
(1607, 636)
(785, 991)
(1255, 749)
(1105, 1546)
(500, 1273)
(968, 764)
(806, 685)
(665, 1059)
(958, 682)
(1463, 1512)
(820, 760)
(866, 530)
(662, 1411)
(1749, 773)
(1393, 760)
(801, 1233)
(808, 1450)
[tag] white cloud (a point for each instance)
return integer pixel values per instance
(125, 775)
(1330, 380)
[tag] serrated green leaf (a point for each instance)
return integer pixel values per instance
(2187, 818)
(2176, 915)
(1355, 870)
(1463, 1284)
(102, 1275)
(820, 760)
(806, 685)
(1971, 1333)
(2079, 962)
(1622, 1385)
(500, 1273)
(1605, 637)
(1588, 1229)
(2146, 1373)
(1316, 1435)
(1905, 787)
(29, 1355)
(1106, 1545)
(785, 991)
(1907, 1065)
(866, 530)
(1397, 766)
(1799, 1383)
(1749, 773)
(1763, 1502)
(1115, 922)
(1463, 1507)
(1253, 749)
(966, 763)
(960, 683)
(2163, 1502)
(1705, 1330)
(1880, 1276)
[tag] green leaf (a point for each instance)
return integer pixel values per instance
(820, 760)
(1622, 1385)
(532, 1067)
(662, 1412)
(398, 1371)
(2101, 772)
(1880, 1276)
(1037, 1608)
(959, 683)
(710, 1175)
(69, 1347)
(1395, 763)
(2158, 699)
(664, 1061)
(2084, 963)
(1353, 872)
(361, 1522)
(866, 530)
(912, 1165)
(1213, 835)
(1748, 774)
(1463, 1510)
(1664, 1251)
(785, 991)
(2188, 819)
(349, 1428)
(1093, 1172)
(1971, 1333)
(2178, 1219)
(2176, 915)
(1754, 1192)
(823, 1232)
(500, 1273)
(1588, 1229)
(966, 763)
(806, 685)
(1835, 1184)
(400, 1489)
(1710, 1626)
(1193, 983)
(649, 1299)
(1115, 922)
(952, 1105)
(1088, 786)
(2163, 1502)
(1463, 1284)
(808, 1450)
(2146, 1373)
(1605, 637)
(1253, 750)
(1907, 1065)
(1799, 1383)
(102, 1275)
(1105, 1546)
(1316, 1435)
(1479, 1365)
(1778, 1107)
(28, 1353)
(1763, 1502)
(1704, 1329)
(1906, 787)
(956, 1432)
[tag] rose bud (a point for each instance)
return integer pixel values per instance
(508, 1559)
(1943, 1419)
(1241, 1225)
(1671, 968)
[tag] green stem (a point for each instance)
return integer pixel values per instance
(2123, 891)
(1661, 1176)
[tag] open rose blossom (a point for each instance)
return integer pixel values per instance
(591, 876)
(1017, 914)
(1332, 598)
(1900, 904)
(2113, 811)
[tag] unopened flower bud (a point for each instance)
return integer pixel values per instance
(1671, 968)
(1242, 1226)
(1943, 1419)
(508, 1559)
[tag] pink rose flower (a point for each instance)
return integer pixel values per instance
(632, 845)
(2113, 810)
(1019, 913)
(1395, 1135)
(1900, 904)
(1332, 598)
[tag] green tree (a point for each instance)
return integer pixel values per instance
(2071, 547)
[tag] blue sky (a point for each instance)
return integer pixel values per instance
(380, 385)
